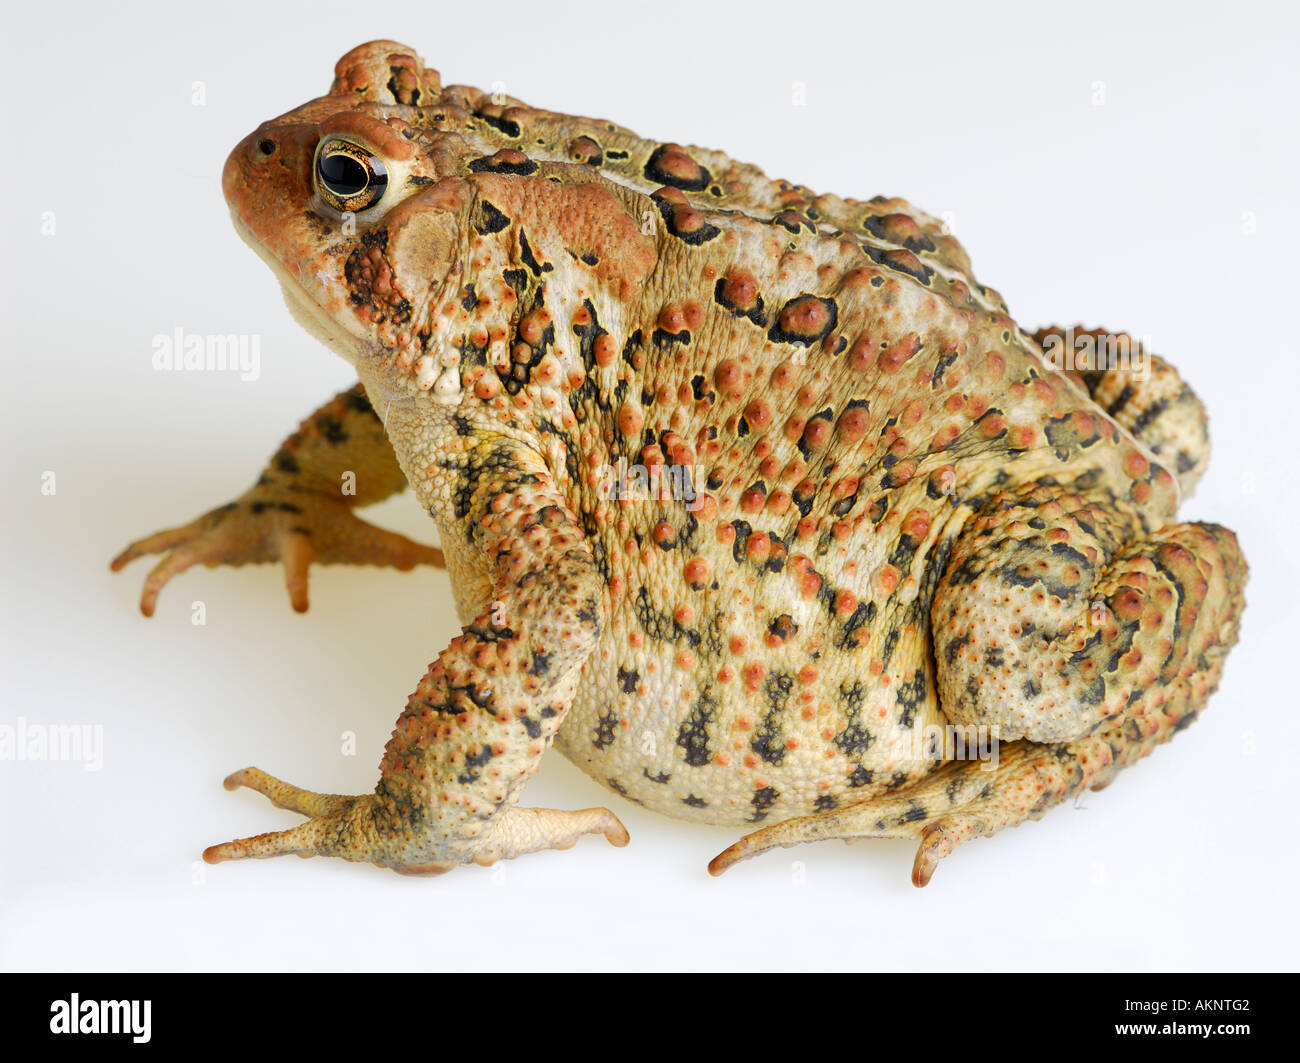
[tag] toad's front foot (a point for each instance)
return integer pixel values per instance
(262, 526)
(380, 829)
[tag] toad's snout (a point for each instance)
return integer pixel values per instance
(267, 178)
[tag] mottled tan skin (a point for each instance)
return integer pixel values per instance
(905, 518)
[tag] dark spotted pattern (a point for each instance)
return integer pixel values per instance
(505, 161)
(669, 164)
(682, 220)
(804, 320)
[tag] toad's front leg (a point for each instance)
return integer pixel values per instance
(479, 722)
(298, 511)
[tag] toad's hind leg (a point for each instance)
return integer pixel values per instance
(1152, 623)
(1142, 391)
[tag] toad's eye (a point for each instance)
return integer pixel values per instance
(348, 176)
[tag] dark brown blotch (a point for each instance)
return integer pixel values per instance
(506, 161)
(804, 320)
(671, 164)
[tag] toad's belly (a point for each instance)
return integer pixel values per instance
(749, 709)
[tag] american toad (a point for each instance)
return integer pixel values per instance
(755, 502)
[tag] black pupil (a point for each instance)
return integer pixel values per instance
(343, 175)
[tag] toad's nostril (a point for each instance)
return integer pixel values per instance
(266, 146)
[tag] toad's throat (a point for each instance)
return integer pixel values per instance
(305, 310)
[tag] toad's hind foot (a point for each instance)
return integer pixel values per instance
(958, 803)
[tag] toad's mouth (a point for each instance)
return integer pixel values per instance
(304, 309)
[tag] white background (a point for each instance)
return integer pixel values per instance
(1134, 167)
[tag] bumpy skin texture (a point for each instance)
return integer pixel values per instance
(903, 517)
